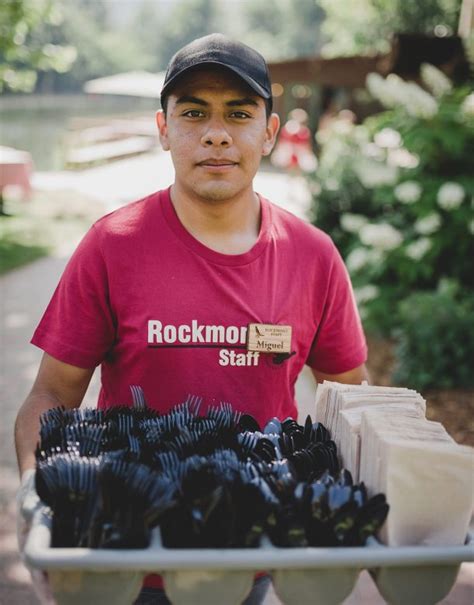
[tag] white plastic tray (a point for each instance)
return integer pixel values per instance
(410, 575)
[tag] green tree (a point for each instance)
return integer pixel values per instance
(277, 28)
(369, 24)
(285, 28)
(188, 20)
(22, 52)
(101, 50)
(147, 24)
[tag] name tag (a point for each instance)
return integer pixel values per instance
(268, 338)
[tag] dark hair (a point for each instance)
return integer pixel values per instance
(268, 106)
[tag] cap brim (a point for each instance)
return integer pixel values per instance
(245, 77)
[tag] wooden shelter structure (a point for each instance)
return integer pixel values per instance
(322, 86)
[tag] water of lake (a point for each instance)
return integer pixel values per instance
(42, 124)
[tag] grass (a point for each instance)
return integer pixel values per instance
(14, 254)
(22, 239)
(42, 226)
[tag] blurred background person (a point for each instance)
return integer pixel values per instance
(293, 150)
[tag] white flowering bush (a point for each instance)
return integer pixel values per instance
(396, 193)
(381, 236)
(429, 224)
(467, 108)
(408, 192)
(450, 196)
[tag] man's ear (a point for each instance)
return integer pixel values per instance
(273, 126)
(162, 129)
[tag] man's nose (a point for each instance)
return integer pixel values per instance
(217, 134)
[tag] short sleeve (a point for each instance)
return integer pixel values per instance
(339, 344)
(78, 326)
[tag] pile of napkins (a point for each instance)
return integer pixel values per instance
(349, 443)
(427, 479)
(339, 408)
(384, 439)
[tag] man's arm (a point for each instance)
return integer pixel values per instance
(355, 376)
(57, 383)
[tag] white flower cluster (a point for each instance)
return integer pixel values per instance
(419, 103)
(435, 79)
(417, 249)
(352, 222)
(339, 127)
(394, 91)
(467, 107)
(403, 158)
(372, 173)
(388, 138)
(342, 127)
(380, 89)
(373, 151)
(387, 146)
(361, 257)
(450, 196)
(428, 224)
(381, 236)
(366, 293)
(408, 192)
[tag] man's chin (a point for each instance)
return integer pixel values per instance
(217, 193)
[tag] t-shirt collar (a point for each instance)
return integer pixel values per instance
(211, 255)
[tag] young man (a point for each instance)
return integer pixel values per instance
(164, 292)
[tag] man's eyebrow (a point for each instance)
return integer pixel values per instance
(244, 101)
(197, 101)
(191, 99)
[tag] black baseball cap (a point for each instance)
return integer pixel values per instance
(217, 49)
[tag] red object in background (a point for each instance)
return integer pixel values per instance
(293, 149)
(16, 168)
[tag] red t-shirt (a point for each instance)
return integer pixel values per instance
(156, 308)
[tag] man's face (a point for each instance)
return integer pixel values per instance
(217, 132)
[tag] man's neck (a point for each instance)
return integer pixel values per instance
(230, 227)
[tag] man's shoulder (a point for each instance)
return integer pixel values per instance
(128, 219)
(297, 229)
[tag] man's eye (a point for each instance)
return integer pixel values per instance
(240, 114)
(193, 113)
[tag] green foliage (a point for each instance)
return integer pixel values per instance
(185, 20)
(436, 339)
(22, 239)
(420, 17)
(14, 254)
(189, 19)
(45, 223)
(395, 193)
(147, 24)
(368, 26)
(280, 29)
(356, 31)
(285, 29)
(57, 45)
(101, 51)
(22, 50)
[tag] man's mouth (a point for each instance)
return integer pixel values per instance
(217, 163)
